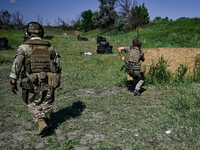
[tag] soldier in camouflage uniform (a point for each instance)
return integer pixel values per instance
(38, 64)
(133, 64)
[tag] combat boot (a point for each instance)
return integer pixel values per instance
(136, 92)
(43, 128)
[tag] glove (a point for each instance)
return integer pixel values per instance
(13, 88)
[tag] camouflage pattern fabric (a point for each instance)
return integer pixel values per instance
(40, 103)
(24, 51)
(41, 97)
(137, 76)
(35, 29)
(138, 79)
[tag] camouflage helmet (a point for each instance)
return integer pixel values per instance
(34, 28)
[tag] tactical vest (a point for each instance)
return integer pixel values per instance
(39, 59)
(134, 55)
(132, 61)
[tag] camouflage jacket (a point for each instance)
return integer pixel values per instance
(21, 53)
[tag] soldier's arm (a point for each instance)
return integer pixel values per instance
(58, 62)
(17, 64)
(120, 49)
(56, 57)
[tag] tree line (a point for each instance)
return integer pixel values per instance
(120, 15)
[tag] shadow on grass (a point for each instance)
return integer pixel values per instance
(66, 113)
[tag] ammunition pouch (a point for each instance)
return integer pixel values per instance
(143, 68)
(136, 67)
(26, 86)
(53, 80)
(132, 67)
(25, 95)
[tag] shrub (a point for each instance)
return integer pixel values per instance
(158, 72)
(196, 77)
(181, 72)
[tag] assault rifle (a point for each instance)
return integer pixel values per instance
(138, 38)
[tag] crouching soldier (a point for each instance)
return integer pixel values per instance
(133, 66)
(37, 62)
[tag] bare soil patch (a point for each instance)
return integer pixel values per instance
(174, 56)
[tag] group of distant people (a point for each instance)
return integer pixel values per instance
(38, 64)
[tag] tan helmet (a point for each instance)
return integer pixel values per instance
(35, 29)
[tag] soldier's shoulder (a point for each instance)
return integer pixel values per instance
(37, 42)
(127, 48)
(24, 46)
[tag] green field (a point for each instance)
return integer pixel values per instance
(95, 109)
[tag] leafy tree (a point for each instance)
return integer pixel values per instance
(105, 18)
(5, 17)
(87, 23)
(183, 18)
(157, 19)
(165, 19)
(141, 15)
(119, 23)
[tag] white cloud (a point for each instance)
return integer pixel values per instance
(13, 1)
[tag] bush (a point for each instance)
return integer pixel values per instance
(196, 77)
(181, 72)
(158, 72)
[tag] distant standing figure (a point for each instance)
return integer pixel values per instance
(133, 64)
(38, 64)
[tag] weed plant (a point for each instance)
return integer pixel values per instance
(197, 73)
(158, 73)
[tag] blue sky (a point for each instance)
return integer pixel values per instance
(68, 10)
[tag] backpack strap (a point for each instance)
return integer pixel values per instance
(37, 42)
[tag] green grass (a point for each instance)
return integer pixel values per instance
(94, 108)
(180, 33)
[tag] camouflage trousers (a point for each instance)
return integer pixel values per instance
(138, 78)
(40, 103)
